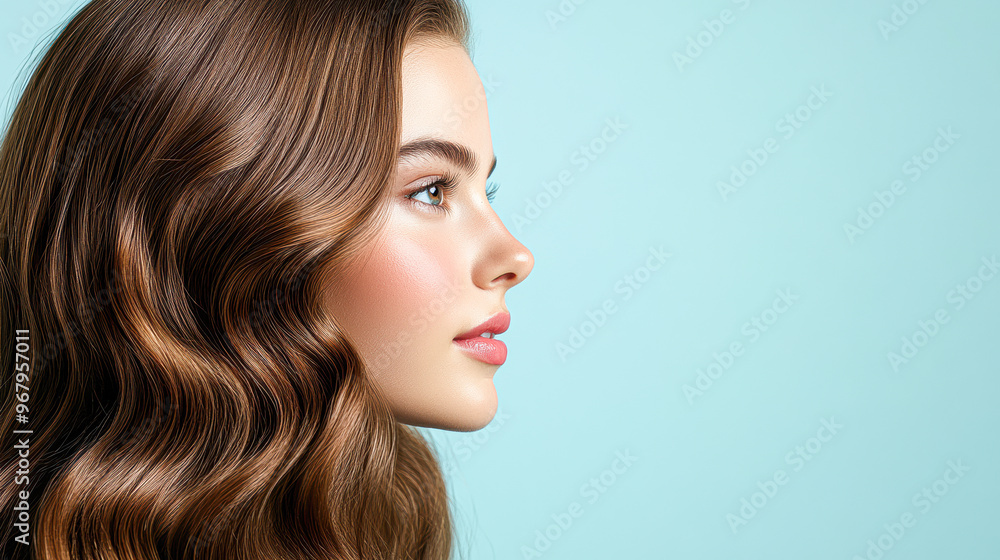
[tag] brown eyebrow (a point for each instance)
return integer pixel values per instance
(461, 156)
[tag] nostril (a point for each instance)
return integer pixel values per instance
(508, 277)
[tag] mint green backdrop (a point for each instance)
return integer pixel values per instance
(762, 321)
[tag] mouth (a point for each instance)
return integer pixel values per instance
(480, 342)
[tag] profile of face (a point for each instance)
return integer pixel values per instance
(428, 293)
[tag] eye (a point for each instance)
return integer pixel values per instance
(436, 193)
(433, 194)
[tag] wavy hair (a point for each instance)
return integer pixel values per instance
(176, 180)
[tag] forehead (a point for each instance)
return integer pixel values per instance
(443, 96)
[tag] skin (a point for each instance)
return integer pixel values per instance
(433, 274)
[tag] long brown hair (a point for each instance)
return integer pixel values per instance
(176, 179)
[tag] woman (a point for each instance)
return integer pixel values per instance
(247, 243)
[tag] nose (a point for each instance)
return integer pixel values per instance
(505, 262)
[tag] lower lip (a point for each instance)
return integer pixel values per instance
(487, 350)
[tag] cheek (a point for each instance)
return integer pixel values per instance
(400, 306)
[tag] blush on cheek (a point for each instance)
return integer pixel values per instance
(403, 303)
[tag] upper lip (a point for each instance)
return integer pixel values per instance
(496, 324)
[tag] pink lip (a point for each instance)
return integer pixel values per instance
(488, 350)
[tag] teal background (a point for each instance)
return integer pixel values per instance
(824, 360)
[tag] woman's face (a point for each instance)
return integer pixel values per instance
(436, 276)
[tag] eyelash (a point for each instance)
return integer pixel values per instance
(491, 190)
(447, 183)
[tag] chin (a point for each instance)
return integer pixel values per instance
(473, 410)
(477, 418)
